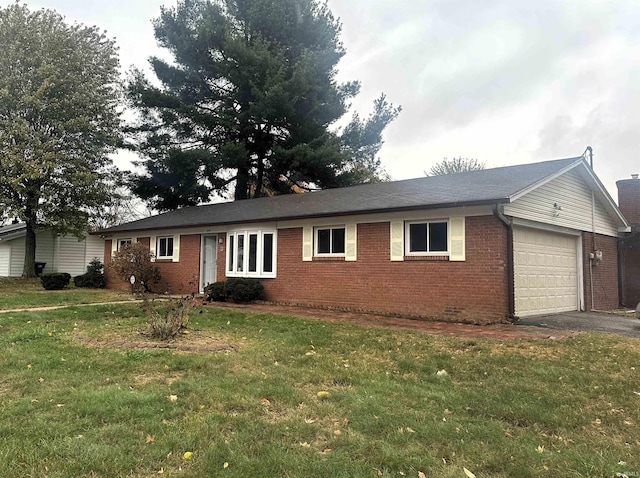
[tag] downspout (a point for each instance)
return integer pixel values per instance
(510, 280)
(592, 255)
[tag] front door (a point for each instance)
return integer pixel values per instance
(209, 260)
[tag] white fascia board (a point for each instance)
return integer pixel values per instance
(411, 215)
(544, 181)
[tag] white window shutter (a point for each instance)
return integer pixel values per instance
(457, 250)
(176, 248)
(307, 244)
(152, 247)
(114, 246)
(397, 240)
(351, 242)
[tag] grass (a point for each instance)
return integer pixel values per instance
(521, 408)
(19, 293)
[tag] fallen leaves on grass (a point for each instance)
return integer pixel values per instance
(172, 398)
(468, 473)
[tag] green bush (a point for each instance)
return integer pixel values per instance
(237, 290)
(55, 281)
(93, 278)
(215, 292)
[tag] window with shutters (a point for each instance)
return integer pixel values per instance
(164, 247)
(124, 243)
(330, 241)
(251, 254)
(427, 238)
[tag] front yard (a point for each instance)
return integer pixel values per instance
(73, 403)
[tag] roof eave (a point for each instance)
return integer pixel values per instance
(484, 202)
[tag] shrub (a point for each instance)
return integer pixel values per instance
(136, 260)
(55, 281)
(215, 292)
(244, 290)
(166, 324)
(237, 290)
(93, 278)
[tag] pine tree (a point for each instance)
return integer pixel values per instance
(250, 104)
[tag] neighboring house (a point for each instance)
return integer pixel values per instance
(481, 246)
(629, 201)
(60, 253)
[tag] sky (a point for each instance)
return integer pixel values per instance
(502, 81)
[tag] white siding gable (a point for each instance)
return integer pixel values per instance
(573, 196)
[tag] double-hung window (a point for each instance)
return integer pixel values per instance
(330, 241)
(124, 243)
(251, 253)
(427, 238)
(164, 247)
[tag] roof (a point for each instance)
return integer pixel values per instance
(488, 186)
(12, 231)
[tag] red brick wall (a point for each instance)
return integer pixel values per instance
(629, 199)
(473, 291)
(630, 258)
(181, 277)
(605, 273)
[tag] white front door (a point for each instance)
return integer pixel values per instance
(209, 260)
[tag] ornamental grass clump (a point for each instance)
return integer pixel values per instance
(170, 319)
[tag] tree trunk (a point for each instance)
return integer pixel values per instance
(242, 184)
(29, 269)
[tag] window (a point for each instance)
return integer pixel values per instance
(123, 243)
(164, 248)
(330, 241)
(427, 238)
(251, 254)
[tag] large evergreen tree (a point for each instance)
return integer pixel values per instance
(250, 103)
(59, 98)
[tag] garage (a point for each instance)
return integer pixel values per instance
(545, 272)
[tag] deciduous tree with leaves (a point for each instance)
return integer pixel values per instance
(59, 97)
(455, 165)
(250, 103)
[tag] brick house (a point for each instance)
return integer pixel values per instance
(629, 201)
(482, 246)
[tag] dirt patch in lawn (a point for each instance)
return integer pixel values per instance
(193, 341)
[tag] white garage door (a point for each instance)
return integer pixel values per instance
(5, 254)
(545, 272)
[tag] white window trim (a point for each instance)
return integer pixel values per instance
(233, 252)
(115, 243)
(331, 228)
(407, 235)
(160, 238)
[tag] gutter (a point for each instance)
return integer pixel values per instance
(510, 279)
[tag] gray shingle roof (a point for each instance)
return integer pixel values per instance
(489, 186)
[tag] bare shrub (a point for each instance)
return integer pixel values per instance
(168, 320)
(136, 260)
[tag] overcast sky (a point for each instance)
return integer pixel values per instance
(503, 81)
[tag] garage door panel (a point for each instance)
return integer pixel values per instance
(545, 272)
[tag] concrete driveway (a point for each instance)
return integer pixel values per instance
(587, 322)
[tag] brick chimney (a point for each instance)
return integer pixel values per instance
(629, 198)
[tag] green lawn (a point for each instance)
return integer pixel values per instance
(525, 409)
(18, 293)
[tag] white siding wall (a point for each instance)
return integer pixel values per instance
(95, 248)
(62, 254)
(45, 250)
(571, 193)
(17, 257)
(5, 258)
(70, 255)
